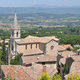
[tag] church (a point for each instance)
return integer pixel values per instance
(37, 51)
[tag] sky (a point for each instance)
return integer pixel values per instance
(39, 3)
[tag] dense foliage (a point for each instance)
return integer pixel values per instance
(4, 56)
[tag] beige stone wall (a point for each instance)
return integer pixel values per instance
(20, 47)
(23, 47)
(54, 50)
(28, 46)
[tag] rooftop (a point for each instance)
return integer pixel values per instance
(31, 52)
(16, 71)
(34, 39)
(33, 59)
(67, 46)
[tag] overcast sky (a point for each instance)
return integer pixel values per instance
(42, 3)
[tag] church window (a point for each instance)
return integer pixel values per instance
(36, 45)
(17, 34)
(31, 46)
(12, 34)
(12, 47)
(52, 47)
(43, 63)
(26, 46)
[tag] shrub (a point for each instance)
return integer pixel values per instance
(69, 49)
(56, 77)
(44, 76)
(73, 77)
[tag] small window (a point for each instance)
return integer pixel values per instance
(17, 34)
(12, 34)
(26, 46)
(43, 63)
(52, 47)
(36, 45)
(31, 46)
(12, 47)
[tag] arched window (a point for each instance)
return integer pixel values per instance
(36, 45)
(12, 47)
(52, 47)
(12, 34)
(17, 34)
(31, 46)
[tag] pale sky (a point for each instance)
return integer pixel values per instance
(42, 3)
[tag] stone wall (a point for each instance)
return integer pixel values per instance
(51, 48)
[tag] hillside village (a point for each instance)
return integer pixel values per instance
(39, 54)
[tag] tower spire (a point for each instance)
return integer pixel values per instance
(15, 21)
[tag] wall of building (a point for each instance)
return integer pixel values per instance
(20, 48)
(27, 47)
(51, 48)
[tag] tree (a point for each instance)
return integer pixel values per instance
(4, 57)
(15, 61)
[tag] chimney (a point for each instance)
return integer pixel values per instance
(44, 68)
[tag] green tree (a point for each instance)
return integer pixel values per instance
(4, 57)
(15, 61)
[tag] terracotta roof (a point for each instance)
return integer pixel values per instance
(76, 58)
(66, 54)
(67, 46)
(17, 72)
(33, 59)
(27, 73)
(60, 48)
(62, 60)
(46, 58)
(28, 59)
(75, 68)
(34, 39)
(31, 52)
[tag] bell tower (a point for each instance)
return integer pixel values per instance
(15, 29)
(15, 35)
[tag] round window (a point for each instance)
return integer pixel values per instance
(52, 47)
